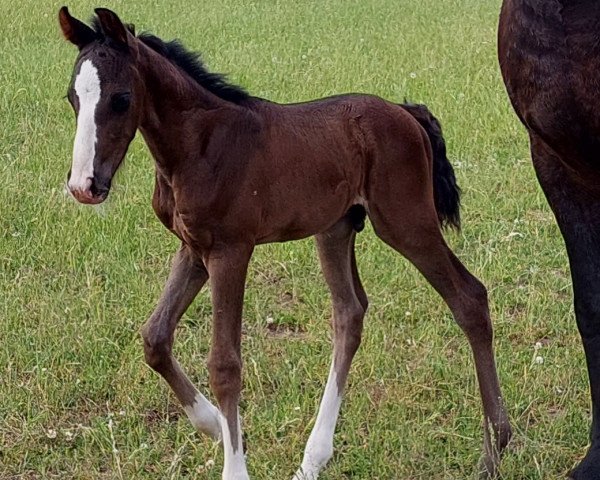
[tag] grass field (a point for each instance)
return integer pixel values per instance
(76, 283)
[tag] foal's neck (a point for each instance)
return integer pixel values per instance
(174, 105)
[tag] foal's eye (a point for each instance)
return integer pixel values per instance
(120, 102)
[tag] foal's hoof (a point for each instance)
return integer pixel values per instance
(589, 468)
(490, 460)
(487, 469)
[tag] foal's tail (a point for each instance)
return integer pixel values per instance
(446, 192)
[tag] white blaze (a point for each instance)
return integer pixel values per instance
(87, 89)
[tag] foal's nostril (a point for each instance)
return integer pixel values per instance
(68, 175)
(93, 187)
(98, 188)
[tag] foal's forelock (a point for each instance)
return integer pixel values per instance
(88, 90)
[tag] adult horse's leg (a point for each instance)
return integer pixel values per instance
(336, 252)
(577, 211)
(415, 233)
(187, 277)
(227, 268)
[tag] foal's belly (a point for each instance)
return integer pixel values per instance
(299, 216)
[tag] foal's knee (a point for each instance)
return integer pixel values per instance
(225, 373)
(157, 348)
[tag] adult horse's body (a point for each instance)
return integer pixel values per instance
(549, 54)
(233, 171)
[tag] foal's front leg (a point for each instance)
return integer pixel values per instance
(227, 268)
(187, 277)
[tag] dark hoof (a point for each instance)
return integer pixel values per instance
(490, 461)
(589, 468)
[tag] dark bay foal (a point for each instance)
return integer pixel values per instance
(234, 171)
(549, 54)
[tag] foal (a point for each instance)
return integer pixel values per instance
(234, 171)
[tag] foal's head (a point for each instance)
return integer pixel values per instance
(105, 93)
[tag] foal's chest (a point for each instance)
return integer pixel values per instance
(178, 222)
(165, 207)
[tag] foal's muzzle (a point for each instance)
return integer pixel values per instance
(92, 192)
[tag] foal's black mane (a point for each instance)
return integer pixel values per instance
(190, 62)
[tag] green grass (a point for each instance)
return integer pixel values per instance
(76, 283)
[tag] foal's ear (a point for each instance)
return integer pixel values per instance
(112, 26)
(75, 31)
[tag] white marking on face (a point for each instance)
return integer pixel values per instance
(204, 416)
(87, 89)
(234, 467)
(319, 447)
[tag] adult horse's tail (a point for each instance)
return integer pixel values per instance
(446, 192)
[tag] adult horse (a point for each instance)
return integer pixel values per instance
(234, 171)
(549, 54)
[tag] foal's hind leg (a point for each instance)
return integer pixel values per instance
(417, 236)
(336, 252)
(187, 277)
